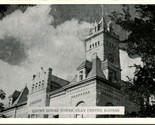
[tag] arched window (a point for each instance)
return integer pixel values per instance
(81, 103)
(95, 43)
(90, 46)
(98, 42)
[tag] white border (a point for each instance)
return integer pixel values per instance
(78, 121)
(77, 2)
(72, 120)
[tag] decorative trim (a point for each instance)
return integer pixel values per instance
(80, 94)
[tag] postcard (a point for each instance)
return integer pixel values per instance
(61, 61)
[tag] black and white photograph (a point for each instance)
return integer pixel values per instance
(77, 61)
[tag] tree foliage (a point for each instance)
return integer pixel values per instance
(141, 43)
(2, 94)
(2, 97)
(141, 40)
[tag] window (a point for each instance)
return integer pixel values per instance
(80, 104)
(90, 46)
(95, 43)
(10, 101)
(42, 83)
(56, 116)
(32, 116)
(111, 57)
(32, 87)
(79, 116)
(99, 26)
(112, 76)
(98, 42)
(81, 75)
(39, 85)
(36, 86)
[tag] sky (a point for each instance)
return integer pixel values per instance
(42, 36)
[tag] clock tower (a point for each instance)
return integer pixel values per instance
(105, 43)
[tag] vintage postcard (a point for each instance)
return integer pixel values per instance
(77, 61)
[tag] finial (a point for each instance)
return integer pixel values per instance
(34, 77)
(42, 68)
(110, 28)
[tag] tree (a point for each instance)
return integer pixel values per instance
(2, 96)
(141, 43)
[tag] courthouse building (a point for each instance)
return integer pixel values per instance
(97, 82)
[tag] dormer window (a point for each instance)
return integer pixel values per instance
(10, 101)
(81, 75)
(83, 70)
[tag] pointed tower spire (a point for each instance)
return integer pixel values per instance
(103, 20)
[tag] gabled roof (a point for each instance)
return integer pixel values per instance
(96, 68)
(14, 96)
(58, 80)
(23, 96)
(85, 64)
(74, 80)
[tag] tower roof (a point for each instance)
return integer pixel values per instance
(104, 25)
(85, 64)
(96, 68)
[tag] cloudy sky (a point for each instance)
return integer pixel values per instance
(47, 36)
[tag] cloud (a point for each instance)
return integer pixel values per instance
(34, 42)
(32, 37)
(12, 51)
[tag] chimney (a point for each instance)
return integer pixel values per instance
(42, 68)
(34, 77)
(50, 71)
